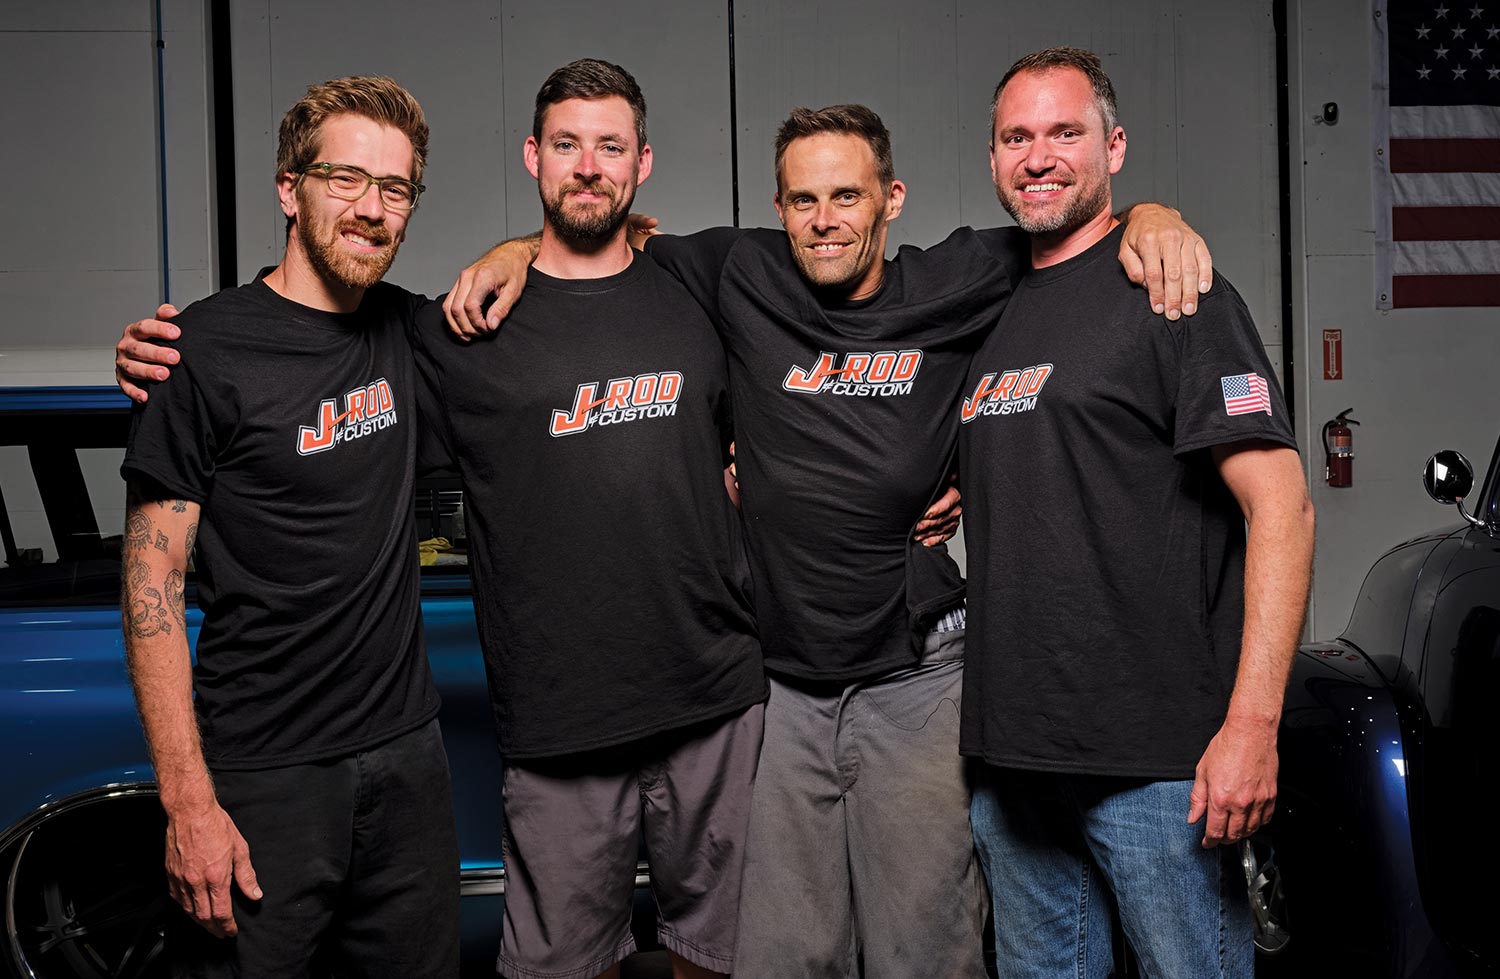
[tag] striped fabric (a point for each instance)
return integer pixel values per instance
(1437, 129)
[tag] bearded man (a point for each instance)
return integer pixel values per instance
(280, 454)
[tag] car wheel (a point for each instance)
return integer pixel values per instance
(86, 894)
(1267, 898)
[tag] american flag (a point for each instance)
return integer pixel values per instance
(1245, 394)
(1437, 125)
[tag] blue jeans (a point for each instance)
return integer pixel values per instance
(1064, 853)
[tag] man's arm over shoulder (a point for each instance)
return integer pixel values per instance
(697, 260)
(206, 854)
(1160, 251)
(499, 272)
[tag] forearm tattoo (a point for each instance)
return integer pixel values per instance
(149, 608)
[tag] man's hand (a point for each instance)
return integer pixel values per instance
(1160, 251)
(940, 522)
(639, 227)
(500, 272)
(206, 855)
(138, 359)
(1235, 782)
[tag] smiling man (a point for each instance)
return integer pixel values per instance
(300, 765)
(614, 613)
(612, 585)
(1124, 690)
(845, 369)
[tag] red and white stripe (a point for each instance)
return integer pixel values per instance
(1444, 198)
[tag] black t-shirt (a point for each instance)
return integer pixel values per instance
(845, 420)
(591, 431)
(295, 429)
(1106, 556)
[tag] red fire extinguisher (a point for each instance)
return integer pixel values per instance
(1338, 449)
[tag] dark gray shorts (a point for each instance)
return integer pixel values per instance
(860, 851)
(572, 826)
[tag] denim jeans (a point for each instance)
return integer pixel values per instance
(1064, 853)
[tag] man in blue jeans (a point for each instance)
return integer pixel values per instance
(1127, 644)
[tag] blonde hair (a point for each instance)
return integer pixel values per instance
(372, 96)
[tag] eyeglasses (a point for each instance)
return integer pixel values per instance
(349, 183)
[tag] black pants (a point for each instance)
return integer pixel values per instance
(358, 861)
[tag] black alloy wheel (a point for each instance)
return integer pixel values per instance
(86, 894)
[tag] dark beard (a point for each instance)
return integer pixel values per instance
(591, 227)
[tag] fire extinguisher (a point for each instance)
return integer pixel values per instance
(1338, 449)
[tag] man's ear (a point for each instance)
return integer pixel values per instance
(1116, 150)
(286, 191)
(776, 203)
(894, 200)
(644, 165)
(532, 155)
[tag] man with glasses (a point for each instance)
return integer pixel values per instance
(280, 456)
(624, 666)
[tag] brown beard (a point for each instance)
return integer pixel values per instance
(592, 225)
(333, 262)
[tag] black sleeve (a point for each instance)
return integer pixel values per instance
(434, 441)
(697, 261)
(1011, 247)
(173, 438)
(1226, 390)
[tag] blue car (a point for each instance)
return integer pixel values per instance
(1379, 862)
(81, 832)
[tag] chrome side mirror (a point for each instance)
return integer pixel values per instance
(1448, 478)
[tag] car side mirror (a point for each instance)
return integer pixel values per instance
(1448, 478)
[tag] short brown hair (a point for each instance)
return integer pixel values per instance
(848, 119)
(590, 78)
(372, 96)
(1050, 59)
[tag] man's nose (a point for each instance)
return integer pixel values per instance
(1039, 156)
(825, 216)
(370, 206)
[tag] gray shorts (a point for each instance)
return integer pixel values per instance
(860, 848)
(572, 831)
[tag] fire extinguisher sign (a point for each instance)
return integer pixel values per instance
(1333, 355)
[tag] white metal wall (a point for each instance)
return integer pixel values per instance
(1198, 96)
(82, 167)
(475, 66)
(1418, 380)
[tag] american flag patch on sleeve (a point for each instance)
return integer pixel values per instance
(1245, 394)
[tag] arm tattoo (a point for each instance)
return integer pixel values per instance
(137, 529)
(149, 608)
(141, 605)
(174, 599)
(192, 539)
